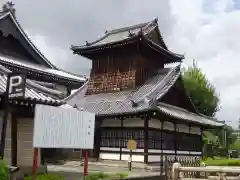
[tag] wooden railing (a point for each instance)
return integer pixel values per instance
(205, 172)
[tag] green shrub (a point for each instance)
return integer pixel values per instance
(101, 175)
(121, 175)
(3, 170)
(222, 162)
(45, 177)
(234, 154)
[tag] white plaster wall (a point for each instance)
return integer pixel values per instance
(153, 123)
(195, 130)
(138, 158)
(133, 122)
(168, 126)
(111, 123)
(25, 142)
(183, 128)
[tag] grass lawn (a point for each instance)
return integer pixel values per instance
(68, 176)
(222, 162)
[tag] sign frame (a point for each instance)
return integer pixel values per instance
(131, 144)
(53, 130)
(18, 89)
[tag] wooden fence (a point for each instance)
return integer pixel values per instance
(205, 172)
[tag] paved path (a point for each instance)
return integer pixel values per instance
(75, 172)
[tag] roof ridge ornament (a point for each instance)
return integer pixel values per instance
(130, 34)
(9, 6)
(141, 31)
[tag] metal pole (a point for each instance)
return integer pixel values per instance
(86, 164)
(35, 163)
(130, 161)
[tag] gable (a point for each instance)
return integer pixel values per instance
(156, 37)
(21, 45)
(177, 96)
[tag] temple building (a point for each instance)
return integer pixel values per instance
(18, 148)
(18, 53)
(135, 96)
(45, 84)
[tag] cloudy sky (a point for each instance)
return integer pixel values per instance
(205, 30)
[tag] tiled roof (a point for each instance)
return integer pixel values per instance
(17, 24)
(121, 34)
(184, 114)
(144, 98)
(128, 33)
(33, 91)
(52, 70)
(122, 101)
(17, 62)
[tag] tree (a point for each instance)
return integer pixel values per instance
(201, 91)
(206, 101)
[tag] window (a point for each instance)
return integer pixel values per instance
(136, 134)
(189, 142)
(109, 138)
(168, 140)
(118, 138)
(154, 139)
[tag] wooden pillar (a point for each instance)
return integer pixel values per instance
(4, 123)
(14, 137)
(202, 142)
(121, 139)
(97, 138)
(161, 147)
(175, 141)
(146, 125)
(189, 131)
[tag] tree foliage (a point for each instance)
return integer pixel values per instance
(206, 100)
(201, 91)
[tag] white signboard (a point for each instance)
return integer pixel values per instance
(56, 127)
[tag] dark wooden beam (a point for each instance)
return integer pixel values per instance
(4, 122)
(202, 143)
(161, 146)
(146, 125)
(14, 137)
(175, 140)
(121, 143)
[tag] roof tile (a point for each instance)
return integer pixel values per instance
(144, 98)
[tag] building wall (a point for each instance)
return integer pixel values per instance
(7, 151)
(114, 153)
(24, 142)
(153, 123)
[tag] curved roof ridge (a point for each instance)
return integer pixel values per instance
(15, 21)
(127, 28)
(75, 92)
(120, 30)
(163, 49)
(165, 79)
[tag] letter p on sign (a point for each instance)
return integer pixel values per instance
(16, 85)
(14, 81)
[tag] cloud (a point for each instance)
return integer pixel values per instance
(209, 34)
(207, 31)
